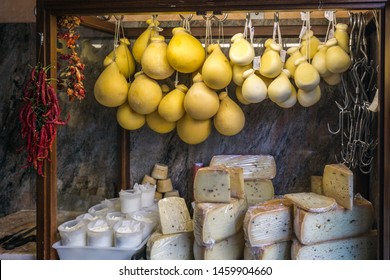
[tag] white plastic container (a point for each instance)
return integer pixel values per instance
(99, 210)
(73, 233)
(128, 234)
(130, 200)
(99, 234)
(114, 217)
(147, 194)
(148, 217)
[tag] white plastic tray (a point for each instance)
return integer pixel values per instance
(95, 253)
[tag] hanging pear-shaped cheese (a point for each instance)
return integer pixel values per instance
(185, 53)
(201, 102)
(154, 60)
(280, 88)
(216, 71)
(267, 81)
(128, 119)
(306, 76)
(230, 119)
(254, 89)
(122, 57)
(239, 96)
(171, 106)
(238, 70)
(342, 36)
(111, 87)
(294, 54)
(319, 61)
(142, 41)
(333, 79)
(193, 131)
(291, 101)
(309, 44)
(309, 98)
(144, 94)
(271, 63)
(158, 123)
(241, 52)
(337, 60)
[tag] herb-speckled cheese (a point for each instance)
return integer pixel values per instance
(338, 183)
(339, 223)
(269, 222)
(356, 248)
(177, 246)
(230, 248)
(312, 202)
(258, 190)
(212, 184)
(276, 251)
(174, 215)
(214, 222)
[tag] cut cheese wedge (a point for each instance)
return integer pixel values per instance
(269, 222)
(312, 202)
(258, 190)
(177, 246)
(231, 248)
(254, 166)
(214, 222)
(174, 215)
(212, 184)
(316, 185)
(276, 251)
(338, 183)
(339, 223)
(363, 247)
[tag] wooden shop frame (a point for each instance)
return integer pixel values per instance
(47, 12)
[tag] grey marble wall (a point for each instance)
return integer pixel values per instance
(88, 157)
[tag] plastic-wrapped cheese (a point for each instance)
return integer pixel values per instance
(269, 222)
(174, 215)
(339, 223)
(212, 184)
(230, 248)
(254, 166)
(177, 246)
(214, 222)
(276, 251)
(312, 202)
(363, 247)
(338, 183)
(258, 190)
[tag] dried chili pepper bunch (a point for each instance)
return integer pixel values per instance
(71, 77)
(39, 117)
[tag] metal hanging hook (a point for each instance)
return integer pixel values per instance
(223, 19)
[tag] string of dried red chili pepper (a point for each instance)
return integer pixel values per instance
(39, 117)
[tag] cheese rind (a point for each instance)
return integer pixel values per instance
(312, 202)
(177, 246)
(173, 193)
(214, 222)
(269, 222)
(254, 166)
(258, 190)
(276, 251)
(164, 185)
(212, 184)
(338, 183)
(230, 248)
(363, 247)
(174, 215)
(160, 171)
(339, 223)
(316, 185)
(237, 186)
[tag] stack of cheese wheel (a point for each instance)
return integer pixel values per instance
(219, 210)
(258, 172)
(268, 228)
(333, 223)
(174, 239)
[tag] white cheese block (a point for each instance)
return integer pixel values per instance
(230, 248)
(174, 215)
(177, 246)
(214, 222)
(312, 202)
(254, 166)
(276, 251)
(269, 222)
(258, 190)
(338, 183)
(316, 185)
(363, 247)
(339, 223)
(212, 184)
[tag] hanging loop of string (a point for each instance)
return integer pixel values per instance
(249, 26)
(331, 17)
(209, 35)
(276, 31)
(186, 22)
(118, 24)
